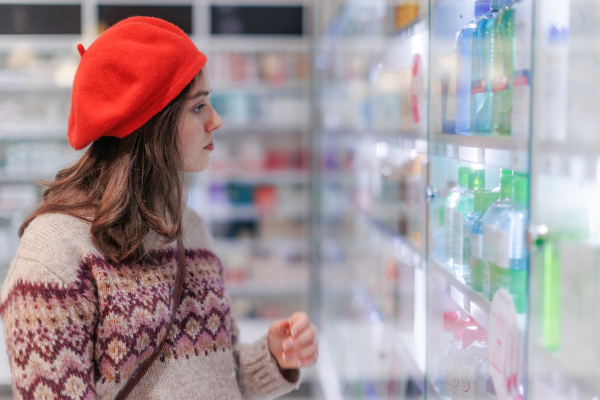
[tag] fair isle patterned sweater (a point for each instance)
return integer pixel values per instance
(77, 325)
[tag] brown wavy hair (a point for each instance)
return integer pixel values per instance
(126, 187)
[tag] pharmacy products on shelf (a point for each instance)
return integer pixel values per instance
(467, 230)
(446, 337)
(464, 52)
(482, 72)
(464, 205)
(469, 335)
(475, 354)
(476, 273)
(450, 205)
(451, 374)
(521, 84)
(491, 253)
(509, 270)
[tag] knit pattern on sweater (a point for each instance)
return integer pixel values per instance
(80, 332)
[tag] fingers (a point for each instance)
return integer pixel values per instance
(304, 338)
(280, 328)
(304, 357)
(299, 321)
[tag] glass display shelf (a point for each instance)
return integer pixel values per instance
(470, 301)
(503, 152)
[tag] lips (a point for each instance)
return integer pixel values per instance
(210, 146)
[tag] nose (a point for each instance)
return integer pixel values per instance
(215, 122)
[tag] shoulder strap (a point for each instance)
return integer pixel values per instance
(139, 373)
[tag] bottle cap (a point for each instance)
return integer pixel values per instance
(522, 191)
(497, 4)
(460, 324)
(507, 187)
(481, 7)
(505, 171)
(450, 318)
(488, 199)
(478, 200)
(476, 179)
(483, 335)
(463, 176)
(470, 334)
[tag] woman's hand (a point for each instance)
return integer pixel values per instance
(293, 342)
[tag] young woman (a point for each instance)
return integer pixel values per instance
(88, 297)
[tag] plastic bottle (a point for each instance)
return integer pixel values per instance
(484, 385)
(509, 270)
(451, 379)
(446, 337)
(467, 230)
(475, 353)
(503, 172)
(464, 52)
(453, 195)
(521, 84)
(469, 336)
(490, 226)
(482, 71)
(464, 205)
(502, 71)
(476, 270)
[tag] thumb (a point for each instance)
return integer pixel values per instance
(280, 328)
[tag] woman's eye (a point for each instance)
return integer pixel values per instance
(200, 107)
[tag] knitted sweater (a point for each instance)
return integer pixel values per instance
(77, 325)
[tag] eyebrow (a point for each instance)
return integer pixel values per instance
(201, 94)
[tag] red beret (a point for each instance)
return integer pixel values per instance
(130, 73)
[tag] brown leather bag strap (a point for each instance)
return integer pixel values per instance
(139, 373)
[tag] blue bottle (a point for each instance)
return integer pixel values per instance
(482, 71)
(464, 52)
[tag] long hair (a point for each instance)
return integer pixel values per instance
(126, 187)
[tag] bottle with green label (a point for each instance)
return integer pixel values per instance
(448, 213)
(464, 205)
(509, 271)
(490, 225)
(487, 199)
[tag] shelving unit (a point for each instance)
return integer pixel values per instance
(468, 300)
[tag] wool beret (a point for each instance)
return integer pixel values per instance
(128, 75)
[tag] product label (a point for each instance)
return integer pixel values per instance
(477, 261)
(467, 250)
(456, 391)
(448, 227)
(457, 233)
(491, 246)
(478, 86)
(514, 281)
(451, 102)
(467, 383)
(486, 280)
(500, 83)
(502, 244)
(448, 376)
(521, 113)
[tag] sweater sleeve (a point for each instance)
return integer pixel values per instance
(49, 328)
(259, 376)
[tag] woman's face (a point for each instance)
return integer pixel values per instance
(197, 127)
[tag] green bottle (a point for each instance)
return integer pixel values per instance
(477, 275)
(502, 71)
(464, 205)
